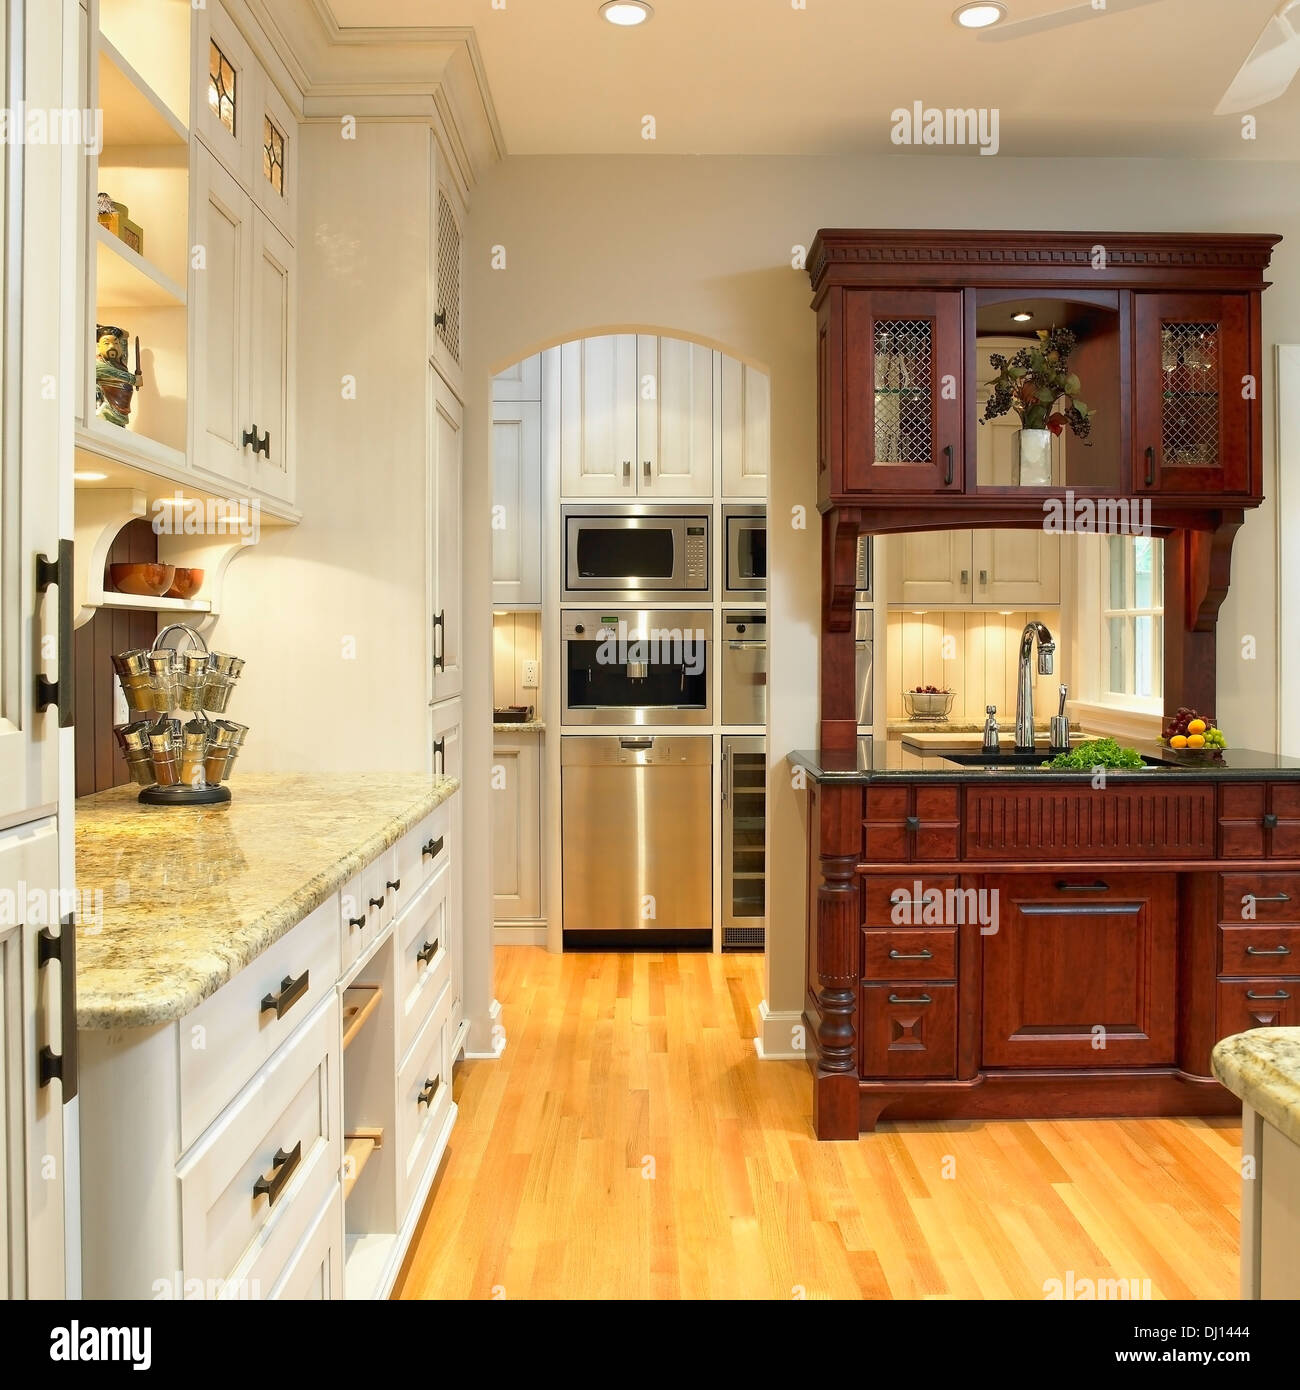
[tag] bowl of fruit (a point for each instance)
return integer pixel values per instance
(1193, 736)
(928, 702)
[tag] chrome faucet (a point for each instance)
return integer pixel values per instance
(1025, 688)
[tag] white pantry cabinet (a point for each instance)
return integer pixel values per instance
(598, 417)
(675, 426)
(746, 429)
(516, 502)
(446, 447)
(956, 569)
(516, 827)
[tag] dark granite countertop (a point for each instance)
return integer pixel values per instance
(894, 760)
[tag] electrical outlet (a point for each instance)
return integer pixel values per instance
(530, 675)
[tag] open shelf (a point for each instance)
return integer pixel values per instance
(125, 280)
(359, 1002)
(134, 114)
(357, 1149)
(141, 603)
(152, 38)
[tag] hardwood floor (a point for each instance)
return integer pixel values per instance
(629, 1144)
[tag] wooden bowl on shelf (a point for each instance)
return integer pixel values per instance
(186, 584)
(143, 580)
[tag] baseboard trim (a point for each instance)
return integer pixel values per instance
(519, 934)
(779, 1032)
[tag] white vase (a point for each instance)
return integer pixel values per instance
(1033, 458)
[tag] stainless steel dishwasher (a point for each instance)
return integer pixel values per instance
(637, 840)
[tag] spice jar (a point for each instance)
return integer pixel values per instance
(194, 747)
(193, 681)
(166, 762)
(162, 675)
(221, 680)
(133, 671)
(238, 733)
(220, 753)
(133, 739)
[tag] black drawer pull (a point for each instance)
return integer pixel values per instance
(1097, 886)
(1270, 821)
(920, 999)
(913, 822)
(356, 921)
(1268, 950)
(394, 885)
(1271, 898)
(433, 849)
(377, 902)
(285, 1166)
(1151, 467)
(947, 472)
(1279, 994)
(290, 992)
(913, 955)
(426, 952)
(430, 1090)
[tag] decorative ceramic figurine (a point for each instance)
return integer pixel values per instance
(115, 383)
(113, 215)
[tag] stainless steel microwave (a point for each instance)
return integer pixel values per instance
(745, 537)
(635, 553)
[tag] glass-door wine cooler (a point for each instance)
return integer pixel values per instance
(744, 823)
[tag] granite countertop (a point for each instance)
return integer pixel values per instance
(892, 760)
(525, 726)
(191, 896)
(1262, 1067)
(907, 726)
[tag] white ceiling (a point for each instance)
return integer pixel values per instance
(761, 77)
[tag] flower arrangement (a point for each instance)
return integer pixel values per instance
(1039, 386)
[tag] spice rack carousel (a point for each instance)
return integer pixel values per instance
(177, 762)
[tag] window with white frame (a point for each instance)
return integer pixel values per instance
(1132, 619)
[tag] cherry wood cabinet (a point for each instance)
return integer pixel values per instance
(1260, 819)
(1081, 971)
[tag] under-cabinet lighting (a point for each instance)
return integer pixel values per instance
(84, 476)
(1005, 612)
(979, 16)
(919, 612)
(1022, 317)
(627, 14)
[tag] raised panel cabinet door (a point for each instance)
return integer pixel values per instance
(516, 502)
(1081, 971)
(516, 829)
(675, 434)
(746, 429)
(227, 88)
(221, 293)
(598, 417)
(520, 382)
(930, 568)
(903, 422)
(445, 758)
(447, 449)
(1014, 566)
(1194, 411)
(271, 359)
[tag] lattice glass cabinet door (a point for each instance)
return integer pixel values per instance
(904, 389)
(1194, 394)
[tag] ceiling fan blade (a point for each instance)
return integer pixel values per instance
(1058, 19)
(1270, 65)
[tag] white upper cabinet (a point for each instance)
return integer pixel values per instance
(225, 83)
(746, 430)
(275, 178)
(448, 214)
(995, 568)
(522, 382)
(675, 425)
(598, 417)
(930, 568)
(271, 360)
(446, 446)
(517, 501)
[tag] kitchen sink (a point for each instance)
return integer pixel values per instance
(1017, 758)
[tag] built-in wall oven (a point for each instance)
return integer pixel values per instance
(635, 553)
(636, 668)
(744, 529)
(744, 666)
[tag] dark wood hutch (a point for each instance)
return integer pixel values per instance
(1169, 347)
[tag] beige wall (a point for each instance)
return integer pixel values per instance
(702, 247)
(516, 638)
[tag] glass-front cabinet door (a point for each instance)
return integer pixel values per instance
(903, 391)
(1193, 393)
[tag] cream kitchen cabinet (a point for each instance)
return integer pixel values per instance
(746, 429)
(516, 827)
(637, 418)
(954, 569)
(448, 275)
(242, 289)
(516, 501)
(445, 464)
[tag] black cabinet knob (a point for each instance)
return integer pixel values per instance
(1270, 821)
(913, 822)
(376, 902)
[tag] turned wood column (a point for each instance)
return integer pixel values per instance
(839, 917)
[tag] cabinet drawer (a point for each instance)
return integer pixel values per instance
(423, 852)
(1260, 897)
(250, 1189)
(229, 1036)
(911, 824)
(910, 953)
(909, 1031)
(355, 923)
(377, 896)
(423, 962)
(423, 1103)
(315, 1270)
(1260, 1003)
(883, 909)
(1256, 950)
(1259, 820)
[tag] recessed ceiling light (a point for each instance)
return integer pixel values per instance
(979, 16)
(1022, 317)
(88, 477)
(626, 13)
